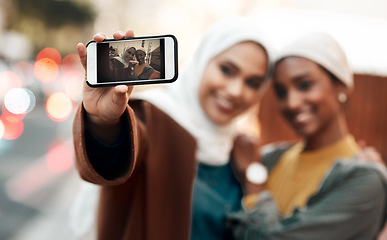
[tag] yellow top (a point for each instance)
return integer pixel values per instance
(298, 174)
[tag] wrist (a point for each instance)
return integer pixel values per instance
(100, 122)
(253, 188)
(106, 131)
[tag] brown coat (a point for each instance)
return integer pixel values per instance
(153, 199)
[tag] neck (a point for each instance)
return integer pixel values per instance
(333, 132)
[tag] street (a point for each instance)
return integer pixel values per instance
(35, 196)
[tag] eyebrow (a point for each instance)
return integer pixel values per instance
(229, 62)
(300, 77)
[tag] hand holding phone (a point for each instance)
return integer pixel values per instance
(132, 61)
(104, 106)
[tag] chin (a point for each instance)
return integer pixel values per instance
(304, 132)
(221, 120)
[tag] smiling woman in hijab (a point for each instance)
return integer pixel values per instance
(318, 188)
(164, 159)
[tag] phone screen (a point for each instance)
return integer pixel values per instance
(142, 59)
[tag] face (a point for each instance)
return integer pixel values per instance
(129, 54)
(232, 82)
(306, 94)
(140, 56)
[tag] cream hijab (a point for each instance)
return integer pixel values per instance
(180, 99)
(324, 50)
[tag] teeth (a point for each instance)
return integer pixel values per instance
(225, 103)
(302, 117)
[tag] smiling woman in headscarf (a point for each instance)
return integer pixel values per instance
(318, 188)
(165, 160)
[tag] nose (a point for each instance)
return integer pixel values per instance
(235, 88)
(293, 101)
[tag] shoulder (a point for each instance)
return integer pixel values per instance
(369, 178)
(271, 153)
(273, 148)
(355, 167)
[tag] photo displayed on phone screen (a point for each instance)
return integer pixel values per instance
(130, 60)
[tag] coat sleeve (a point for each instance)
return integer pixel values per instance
(354, 209)
(111, 165)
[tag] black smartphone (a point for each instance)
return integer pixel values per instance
(132, 61)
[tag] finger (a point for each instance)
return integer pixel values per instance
(82, 54)
(118, 35)
(99, 37)
(129, 33)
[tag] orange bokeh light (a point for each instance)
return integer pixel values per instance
(59, 106)
(59, 157)
(71, 62)
(11, 117)
(51, 53)
(9, 80)
(13, 127)
(46, 70)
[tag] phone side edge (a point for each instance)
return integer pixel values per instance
(171, 71)
(91, 66)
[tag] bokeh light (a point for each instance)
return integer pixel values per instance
(74, 84)
(71, 62)
(59, 157)
(2, 129)
(19, 100)
(46, 70)
(9, 80)
(59, 107)
(13, 127)
(51, 53)
(11, 116)
(25, 71)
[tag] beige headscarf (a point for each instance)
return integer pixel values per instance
(325, 51)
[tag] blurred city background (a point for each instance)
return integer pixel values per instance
(41, 80)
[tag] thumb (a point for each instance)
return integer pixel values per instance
(121, 95)
(82, 54)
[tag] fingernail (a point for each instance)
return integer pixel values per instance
(101, 35)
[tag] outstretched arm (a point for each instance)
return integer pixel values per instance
(105, 131)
